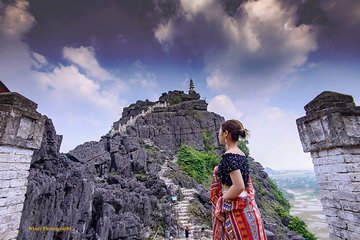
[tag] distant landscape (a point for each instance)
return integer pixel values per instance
(301, 189)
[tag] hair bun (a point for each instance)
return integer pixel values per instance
(242, 133)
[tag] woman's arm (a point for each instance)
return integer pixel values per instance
(237, 187)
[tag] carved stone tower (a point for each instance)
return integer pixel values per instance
(21, 132)
(192, 88)
(330, 131)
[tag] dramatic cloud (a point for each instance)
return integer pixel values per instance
(16, 20)
(252, 51)
(224, 106)
(84, 57)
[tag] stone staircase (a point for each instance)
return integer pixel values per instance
(181, 207)
(132, 120)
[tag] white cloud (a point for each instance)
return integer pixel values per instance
(85, 58)
(191, 8)
(67, 83)
(223, 105)
(164, 33)
(38, 60)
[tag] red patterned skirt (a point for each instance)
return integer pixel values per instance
(242, 216)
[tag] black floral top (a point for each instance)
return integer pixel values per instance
(230, 162)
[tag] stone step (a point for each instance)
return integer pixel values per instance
(188, 191)
(183, 211)
(181, 206)
(183, 203)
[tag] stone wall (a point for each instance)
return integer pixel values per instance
(21, 129)
(330, 131)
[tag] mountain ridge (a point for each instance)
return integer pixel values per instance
(111, 188)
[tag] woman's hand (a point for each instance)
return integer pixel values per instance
(215, 171)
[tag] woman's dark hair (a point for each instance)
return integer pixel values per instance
(235, 128)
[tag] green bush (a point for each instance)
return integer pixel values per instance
(284, 214)
(299, 226)
(198, 165)
(242, 144)
(294, 223)
(259, 187)
(279, 196)
(175, 100)
(209, 146)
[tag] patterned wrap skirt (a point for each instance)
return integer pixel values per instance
(242, 216)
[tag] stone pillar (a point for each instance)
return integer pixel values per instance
(330, 131)
(21, 131)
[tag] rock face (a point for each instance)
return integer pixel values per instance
(111, 189)
(102, 190)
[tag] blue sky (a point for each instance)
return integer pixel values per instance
(257, 61)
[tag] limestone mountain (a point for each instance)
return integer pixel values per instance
(123, 186)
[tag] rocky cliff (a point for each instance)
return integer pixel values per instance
(117, 188)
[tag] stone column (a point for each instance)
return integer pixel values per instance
(330, 131)
(21, 131)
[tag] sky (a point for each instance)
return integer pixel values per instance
(259, 61)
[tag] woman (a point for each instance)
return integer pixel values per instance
(235, 213)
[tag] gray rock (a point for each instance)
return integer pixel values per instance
(270, 235)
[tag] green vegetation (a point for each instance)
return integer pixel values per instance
(198, 115)
(299, 226)
(259, 187)
(284, 214)
(141, 177)
(190, 110)
(279, 195)
(242, 144)
(196, 164)
(209, 147)
(175, 100)
(199, 165)
(112, 172)
(150, 149)
(292, 222)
